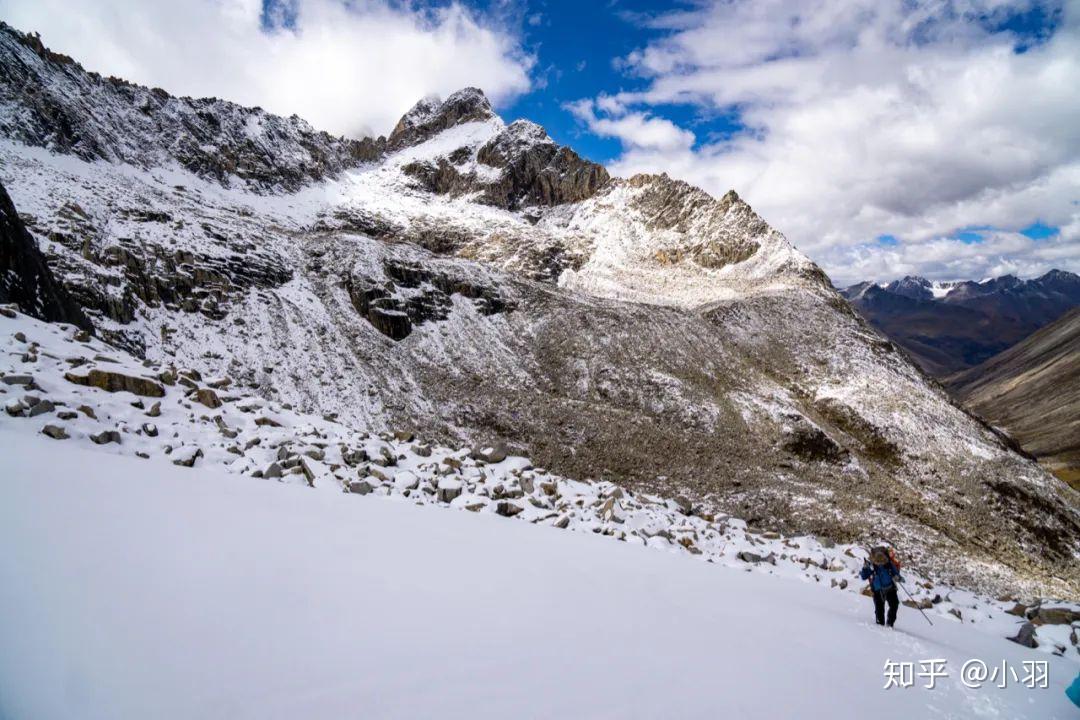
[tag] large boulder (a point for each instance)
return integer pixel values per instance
(1026, 636)
(112, 381)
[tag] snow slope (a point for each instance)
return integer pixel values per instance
(171, 593)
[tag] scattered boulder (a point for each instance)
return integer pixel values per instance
(490, 454)
(186, 457)
(406, 480)
(111, 381)
(1019, 610)
(360, 487)
(923, 604)
(1026, 636)
(56, 432)
(40, 408)
(155, 410)
(448, 489)
(315, 453)
(208, 397)
(562, 523)
(105, 437)
(18, 379)
(150, 429)
(273, 471)
(87, 411)
(508, 509)
(1055, 616)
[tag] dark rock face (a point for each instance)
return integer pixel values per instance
(537, 171)
(109, 119)
(25, 278)
(429, 117)
(413, 294)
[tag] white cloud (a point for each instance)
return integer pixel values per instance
(871, 117)
(637, 131)
(348, 67)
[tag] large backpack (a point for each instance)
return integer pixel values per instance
(887, 552)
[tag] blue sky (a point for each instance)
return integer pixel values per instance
(882, 137)
(578, 46)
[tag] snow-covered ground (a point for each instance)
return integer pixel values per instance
(131, 587)
(132, 590)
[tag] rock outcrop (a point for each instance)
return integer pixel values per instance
(25, 277)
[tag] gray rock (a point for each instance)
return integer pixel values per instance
(447, 491)
(150, 429)
(17, 379)
(1026, 636)
(155, 410)
(208, 397)
(40, 408)
(105, 437)
(189, 461)
(562, 523)
(55, 432)
(489, 454)
(273, 471)
(360, 487)
(508, 509)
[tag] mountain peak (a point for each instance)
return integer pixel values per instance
(430, 116)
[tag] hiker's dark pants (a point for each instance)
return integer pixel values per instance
(880, 598)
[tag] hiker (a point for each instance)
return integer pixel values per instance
(882, 571)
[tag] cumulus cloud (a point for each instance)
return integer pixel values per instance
(348, 67)
(911, 118)
(635, 130)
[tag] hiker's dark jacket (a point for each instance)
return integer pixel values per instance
(881, 576)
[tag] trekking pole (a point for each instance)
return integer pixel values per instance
(916, 603)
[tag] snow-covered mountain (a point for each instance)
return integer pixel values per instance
(477, 282)
(951, 326)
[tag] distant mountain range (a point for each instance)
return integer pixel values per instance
(1032, 390)
(952, 326)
